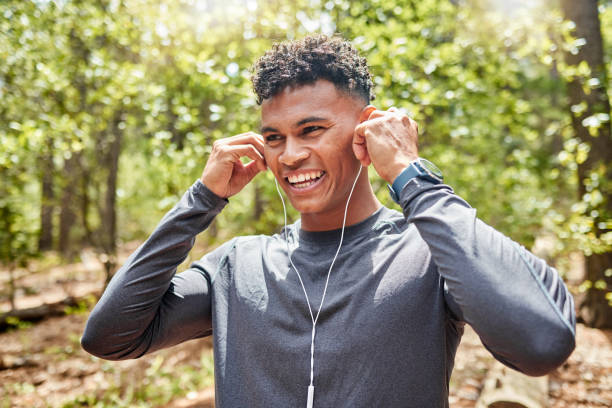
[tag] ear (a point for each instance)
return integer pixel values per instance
(366, 112)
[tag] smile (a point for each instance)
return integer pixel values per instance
(305, 180)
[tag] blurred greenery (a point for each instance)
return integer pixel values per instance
(164, 79)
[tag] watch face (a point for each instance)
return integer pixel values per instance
(430, 167)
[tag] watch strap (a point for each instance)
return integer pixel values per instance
(414, 169)
(400, 181)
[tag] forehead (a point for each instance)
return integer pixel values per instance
(320, 99)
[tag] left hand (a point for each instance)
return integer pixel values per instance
(388, 140)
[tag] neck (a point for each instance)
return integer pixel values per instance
(363, 203)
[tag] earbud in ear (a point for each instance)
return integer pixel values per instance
(366, 112)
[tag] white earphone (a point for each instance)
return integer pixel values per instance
(314, 318)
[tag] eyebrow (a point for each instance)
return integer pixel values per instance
(299, 123)
(309, 119)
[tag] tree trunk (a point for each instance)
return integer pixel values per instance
(85, 203)
(37, 313)
(178, 136)
(12, 286)
(67, 211)
(47, 205)
(594, 309)
(507, 388)
(109, 210)
(111, 190)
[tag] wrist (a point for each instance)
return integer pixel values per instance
(397, 169)
(211, 186)
(419, 168)
(209, 197)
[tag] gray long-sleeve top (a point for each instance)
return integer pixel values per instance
(401, 289)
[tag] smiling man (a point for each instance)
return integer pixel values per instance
(308, 134)
(364, 304)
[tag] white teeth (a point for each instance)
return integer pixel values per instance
(304, 177)
(304, 184)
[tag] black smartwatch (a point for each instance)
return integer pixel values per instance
(421, 168)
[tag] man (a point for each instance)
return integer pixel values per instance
(369, 301)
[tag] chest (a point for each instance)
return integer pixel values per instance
(383, 314)
(376, 291)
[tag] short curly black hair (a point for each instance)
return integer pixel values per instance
(301, 62)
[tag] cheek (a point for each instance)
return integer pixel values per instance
(348, 132)
(270, 156)
(343, 142)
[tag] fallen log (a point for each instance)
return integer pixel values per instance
(507, 388)
(14, 362)
(35, 314)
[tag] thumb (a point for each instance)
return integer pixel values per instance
(253, 168)
(360, 147)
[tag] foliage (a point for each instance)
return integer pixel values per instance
(169, 78)
(83, 306)
(482, 97)
(15, 323)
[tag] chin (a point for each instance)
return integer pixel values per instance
(307, 208)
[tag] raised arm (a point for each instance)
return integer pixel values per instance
(518, 305)
(146, 306)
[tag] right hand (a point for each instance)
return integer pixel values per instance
(388, 140)
(224, 173)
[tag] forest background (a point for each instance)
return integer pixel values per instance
(108, 111)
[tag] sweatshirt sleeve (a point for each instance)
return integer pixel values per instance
(518, 305)
(147, 306)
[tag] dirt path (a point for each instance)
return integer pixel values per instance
(53, 369)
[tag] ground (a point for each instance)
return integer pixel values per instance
(44, 366)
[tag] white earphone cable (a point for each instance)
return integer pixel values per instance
(314, 318)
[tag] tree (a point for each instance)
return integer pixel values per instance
(590, 114)
(128, 96)
(20, 141)
(47, 198)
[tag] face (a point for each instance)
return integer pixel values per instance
(308, 133)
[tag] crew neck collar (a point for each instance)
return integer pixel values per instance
(352, 231)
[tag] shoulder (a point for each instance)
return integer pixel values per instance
(390, 222)
(244, 244)
(392, 233)
(262, 241)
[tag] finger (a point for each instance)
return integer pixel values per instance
(377, 114)
(411, 123)
(251, 169)
(243, 137)
(361, 153)
(360, 148)
(252, 138)
(359, 133)
(361, 130)
(250, 151)
(365, 113)
(365, 128)
(393, 109)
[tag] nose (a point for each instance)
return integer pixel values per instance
(293, 154)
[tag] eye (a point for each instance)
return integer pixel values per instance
(271, 138)
(310, 129)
